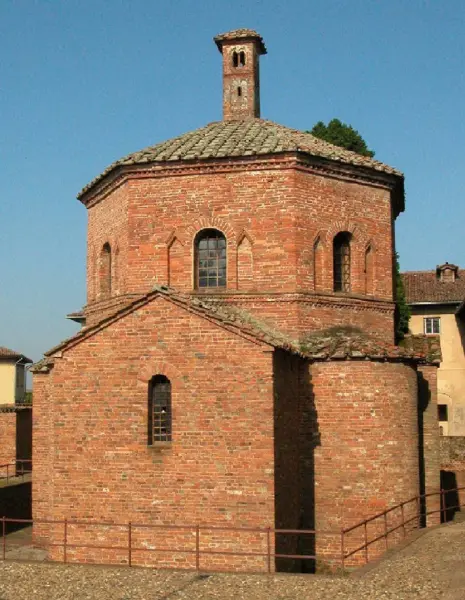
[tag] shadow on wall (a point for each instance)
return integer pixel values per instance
(24, 434)
(424, 398)
(295, 437)
(451, 496)
(461, 327)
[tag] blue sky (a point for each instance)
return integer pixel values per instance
(83, 83)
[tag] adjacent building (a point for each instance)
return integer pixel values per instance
(436, 300)
(15, 415)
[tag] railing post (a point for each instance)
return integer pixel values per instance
(129, 544)
(366, 541)
(65, 540)
(197, 547)
(403, 518)
(268, 549)
(4, 537)
(342, 550)
(386, 531)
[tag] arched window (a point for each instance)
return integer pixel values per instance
(159, 417)
(210, 259)
(341, 262)
(235, 59)
(242, 59)
(105, 271)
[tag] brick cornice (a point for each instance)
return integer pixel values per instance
(286, 160)
(316, 299)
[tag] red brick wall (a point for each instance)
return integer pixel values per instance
(108, 223)
(91, 457)
(366, 456)
(7, 439)
(281, 213)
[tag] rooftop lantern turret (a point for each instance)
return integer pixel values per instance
(241, 50)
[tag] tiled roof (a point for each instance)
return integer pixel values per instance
(346, 342)
(6, 353)
(245, 138)
(335, 344)
(425, 286)
(238, 34)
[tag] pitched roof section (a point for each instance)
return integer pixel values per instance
(425, 286)
(332, 344)
(245, 138)
(7, 354)
(342, 343)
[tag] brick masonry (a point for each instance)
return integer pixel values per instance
(261, 437)
(272, 219)
(15, 435)
(7, 439)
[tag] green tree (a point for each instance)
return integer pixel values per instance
(402, 314)
(340, 134)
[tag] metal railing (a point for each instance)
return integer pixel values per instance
(197, 534)
(407, 525)
(16, 469)
(257, 547)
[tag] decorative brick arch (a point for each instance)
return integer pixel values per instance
(149, 369)
(245, 261)
(211, 222)
(176, 234)
(244, 233)
(97, 259)
(357, 231)
(206, 222)
(318, 261)
(369, 268)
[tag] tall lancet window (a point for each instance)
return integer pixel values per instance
(341, 262)
(210, 259)
(159, 417)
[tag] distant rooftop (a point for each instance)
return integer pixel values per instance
(7, 354)
(428, 286)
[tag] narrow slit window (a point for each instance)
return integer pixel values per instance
(341, 262)
(242, 59)
(105, 271)
(159, 417)
(210, 259)
(235, 59)
(239, 91)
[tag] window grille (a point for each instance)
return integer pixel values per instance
(159, 422)
(341, 262)
(210, 251)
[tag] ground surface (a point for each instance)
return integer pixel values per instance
(432, 567)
